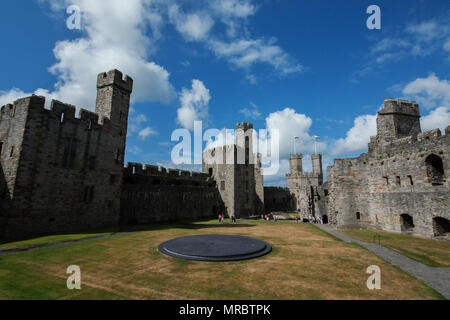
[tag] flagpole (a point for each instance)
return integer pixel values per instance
(315, 146)
(295, 149)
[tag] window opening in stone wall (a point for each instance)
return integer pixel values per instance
(435, 169)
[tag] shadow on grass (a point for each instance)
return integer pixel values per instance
(183, 224)
(187, 225)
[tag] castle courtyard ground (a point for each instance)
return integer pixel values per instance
(306, 263)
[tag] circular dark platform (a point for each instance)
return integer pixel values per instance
(213, 247)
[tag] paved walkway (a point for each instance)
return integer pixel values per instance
(437, 278)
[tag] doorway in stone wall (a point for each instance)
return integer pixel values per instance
(441, 226)
(406, 222)
(325, 219)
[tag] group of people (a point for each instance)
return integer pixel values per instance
(222, 218)
(268, 217)
(315, 220)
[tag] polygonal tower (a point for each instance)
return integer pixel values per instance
(113, 103)
(398, 119)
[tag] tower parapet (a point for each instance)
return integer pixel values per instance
(115, 77)
(398, 119)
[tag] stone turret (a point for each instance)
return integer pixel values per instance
(398, 119)
(296, 164)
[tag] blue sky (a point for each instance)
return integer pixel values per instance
(305, 67)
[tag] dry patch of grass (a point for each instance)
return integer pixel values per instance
(305, 264)
(434, 253)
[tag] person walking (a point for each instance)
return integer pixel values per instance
(220, 218)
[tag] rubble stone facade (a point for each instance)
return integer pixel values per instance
(237, 172)
(156, 194)
(401, 184)
(59, 172)
(62, 173)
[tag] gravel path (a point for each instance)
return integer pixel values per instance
(437, 278)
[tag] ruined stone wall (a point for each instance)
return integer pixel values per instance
(66, 171)
(156, 194)
(393, 187)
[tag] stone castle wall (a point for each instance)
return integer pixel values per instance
(394, 187)
(61, 172)
(237, 172)
(156, 194)
(278, 199)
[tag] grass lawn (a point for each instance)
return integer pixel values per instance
(434, 253)
(305, 263)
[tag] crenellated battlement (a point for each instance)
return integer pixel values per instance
(145, 170)
(115, 77)
(381, 149)
(244, 126)
(400, 106)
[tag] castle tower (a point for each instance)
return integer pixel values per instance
(398, 119)
(296, 164)
(317, 166)
(244, 143)
(113, 98)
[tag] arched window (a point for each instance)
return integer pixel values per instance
(407, 222)
(435, 169)
(441, 226)
(358, 216)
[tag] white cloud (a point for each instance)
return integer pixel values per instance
(234, 8)
(438, 118)
(11, 96)
(357, 137)
(413, 40)
(193, 26)
(252, 112)
(235, 45)
(134, 149)
(114, 38)
(146, 132)
(135, 122)
(291, 124)
(416, 39)
(246, 53)
(430, 92)
(194, 104)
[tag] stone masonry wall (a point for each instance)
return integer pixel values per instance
(154, 194)
(392, 186)
(65, 172)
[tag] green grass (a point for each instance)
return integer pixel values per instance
(433, 253)
(305, 264)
